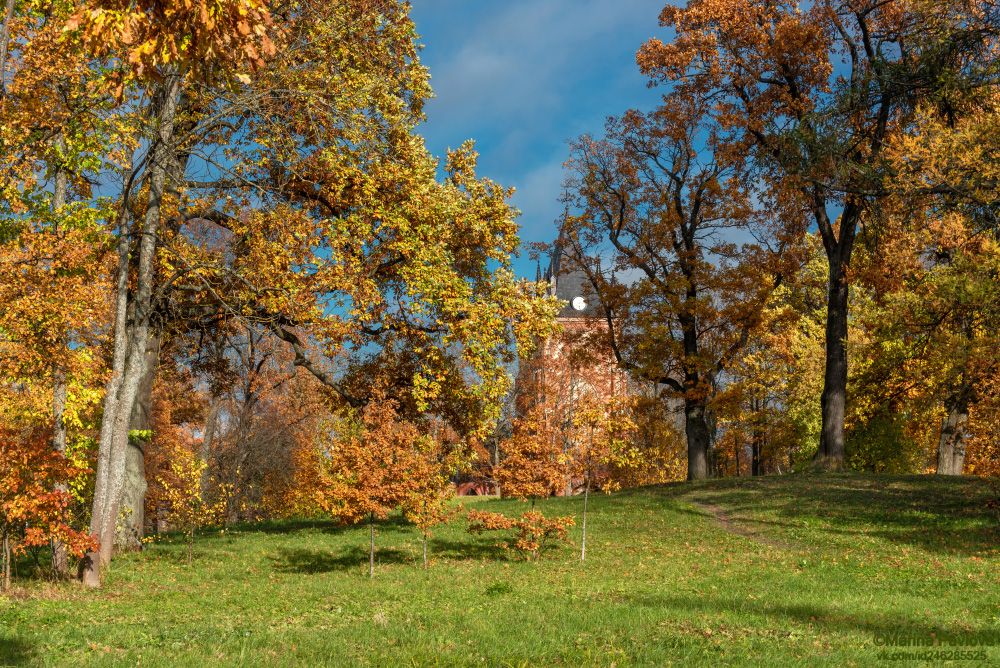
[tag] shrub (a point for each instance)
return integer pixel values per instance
(533, 533)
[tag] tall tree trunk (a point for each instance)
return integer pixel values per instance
(8, 15)
(757, 441)
(205, 451)
(739, 446)
(131, 339)
(60, 559)
(831, 453)
(5, 548)
(696, 431)
(130, 524)
(951, 445)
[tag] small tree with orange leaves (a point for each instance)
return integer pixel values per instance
(429, 501)
(370, 468)
(32, 503)
(533, 465)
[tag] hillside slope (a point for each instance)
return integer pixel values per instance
(799, 570)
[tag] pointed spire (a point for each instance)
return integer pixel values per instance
(538, 271)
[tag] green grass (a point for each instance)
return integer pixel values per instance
(800, 570)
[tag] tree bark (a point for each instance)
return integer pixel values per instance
(756, 444)
(130, 524)
(696, 431)
(60, 559)
(371, 546)
(8, 16)
(6, 560)
(831, 453)
(131, 338)
(205, 452)
(951, 445)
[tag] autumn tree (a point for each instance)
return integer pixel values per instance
(931, 333)
(659, 210)
(533, 462)
(603, 431)
(813, 95)
(189, 504)
(33, 498)
(430, 501)
(293, 143)
(55, 136)
(372, 466)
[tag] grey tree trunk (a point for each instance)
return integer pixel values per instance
(130, 525)
(60, 560)
(831, 453)
(8, 15)
(211, 426)
(756, 445)
(697, 433)
(951, 445)
(5, 548)
(131, 338)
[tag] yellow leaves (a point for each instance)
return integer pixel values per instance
(194, 36)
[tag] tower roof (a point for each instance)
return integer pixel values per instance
(567, 282)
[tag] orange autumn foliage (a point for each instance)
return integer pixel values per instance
(533, 532)
(371, 467)
(533, 463)
(32, 509)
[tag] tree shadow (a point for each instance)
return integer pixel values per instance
(881, 628)
(15, 652)
(947, 516)
(459, 550)
(311, 562)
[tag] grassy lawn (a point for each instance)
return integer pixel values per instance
(796, 570)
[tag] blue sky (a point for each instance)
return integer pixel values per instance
(522, 78)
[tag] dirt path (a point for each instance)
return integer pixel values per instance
(734, 527)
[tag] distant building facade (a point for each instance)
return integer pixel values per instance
(578, 363)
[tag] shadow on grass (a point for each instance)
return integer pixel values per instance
(943, 515)
(882, 629)
(311, 562)
(15, 652)
(396, 523)
(461, 550)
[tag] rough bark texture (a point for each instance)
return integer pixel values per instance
(6, 556)
(838, 243)
(756, 446)
(131, 340)
(696, 430)
(8, 14)
(60, 560)
(831, 451)
(130, 524)
(951, 445)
